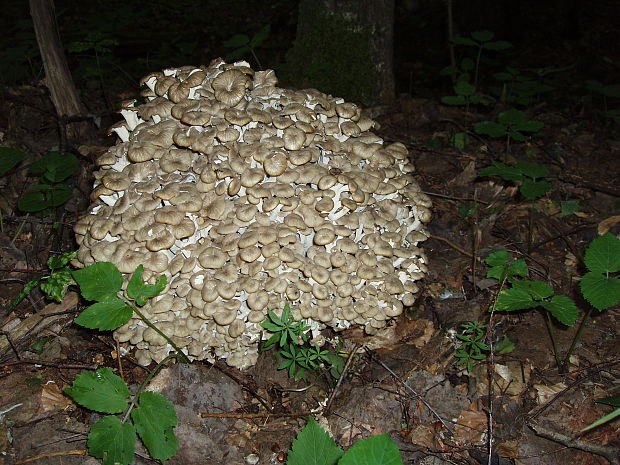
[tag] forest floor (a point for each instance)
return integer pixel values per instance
(410, 387)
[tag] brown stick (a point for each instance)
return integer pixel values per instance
(253, 415)
(52, 454)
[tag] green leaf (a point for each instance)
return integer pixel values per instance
(28, 287)
(313, 446)
(453, 100)
(463, 41)
(55, 167)
(614, 401)
(237, 53)
(32, 202)
(139, 291)
(515, 299)
(101, 391)
(154, 420)
(112, 441)
(238, 40)
(538, 290)
(9, 159)
(55, 287)
(531, 169)
(259, 38)
(373, 451)
(490, 128)
(603, 254)
(464, 88)
(505, 346)
(497, 45)
(530, 126)
(601, 291)
(55, 262)
(605, 419)
(101, 281)
(105, 316)
(534, 189)
(499, 258)
(563, 309)
(58, 195)
(508, 173)
(517, 268)
(511, 117)
(569, 207)
(482, 36)
(39, 345)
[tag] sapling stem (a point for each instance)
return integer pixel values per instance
(145, 383)
(158, 331)
(19, 228)
(576, 339)
(552, 335)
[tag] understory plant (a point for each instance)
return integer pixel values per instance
(290, 339)
(511, 124)
(600, 286)
(313, 445)
(243, 44)
(152, 415)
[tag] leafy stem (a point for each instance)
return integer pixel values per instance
(146, 321)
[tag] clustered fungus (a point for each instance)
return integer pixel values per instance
(249, 196)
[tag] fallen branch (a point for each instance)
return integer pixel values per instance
(610, 453)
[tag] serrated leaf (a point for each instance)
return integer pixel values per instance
(58, 195)
(517, 268)
(112, 441)
(509, 173)
(490, 128)
(238, 40)
(499, 258)
(105, 316)
(464, 88)
(569, 207)
(603, 254)
(32, 202)
(511, 117)
(9, 159)
(313, 446)
(101, 391)
(534, 189)
(563, 309)
(602, 292)
(515, 299)
(99, 281)
(55, 287)
(55, 167)
(373, 451)
(538, 290)
(482, 36)
(58, 261)
(532, 169)
(139, 291)
(154, 420)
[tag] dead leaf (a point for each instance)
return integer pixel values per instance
(52, 398)
(606, 225)
(545, 393)
(471, 426)
(424, 436)
(465, 177)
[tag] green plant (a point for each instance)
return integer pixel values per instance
(92, 48)
(111, 438)
(53, 284)
(607, 92)
(463, 88)
(600, 286)
(525, 173)
(524, 87)
(52, 169)
(313, 445)
(243, 44)
(511, 124)
(473, 345)
(613, 401)
(297, 355)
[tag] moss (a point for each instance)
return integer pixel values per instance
(333, 54)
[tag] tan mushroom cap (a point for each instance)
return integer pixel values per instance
(229, 87)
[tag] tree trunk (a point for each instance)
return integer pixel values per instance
(345, 48)
(57, 76)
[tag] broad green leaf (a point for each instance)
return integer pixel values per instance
(614, 401)
(28, 287)
(141, 292)
(101, 391)
(313, 446)
(490, 128)
(467, 64)
(58, 261)
(373, 451)
(603, 254)
(112, 441)
(482, 36)
(453, 100)
(55, 287)
(9, 159)
(105, 316)
(517, 268)
(537, 289)
(464, 88)
(516, 135)
(499, 258)
(55, 167)
(511, 117)
(154, 420)
(463, 41)
(534, 189)
(505, 346)
(100, 281)
(605, 419)
(58, 195)
(237, 53)
(259, 38)
(32, 202)
(39, 345)
(509, 173)
(530, 126)
(563, 309)
(515, 299)
(238, 40)
(569, 207)
(602, 292)
(497, 45)
(531, 169)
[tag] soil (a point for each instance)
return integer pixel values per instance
(409, 386)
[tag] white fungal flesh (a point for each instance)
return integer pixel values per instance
(389, 220)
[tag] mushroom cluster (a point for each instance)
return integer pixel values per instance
(249, 196)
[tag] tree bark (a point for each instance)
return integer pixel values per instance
(345, 47)
(58, 78)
